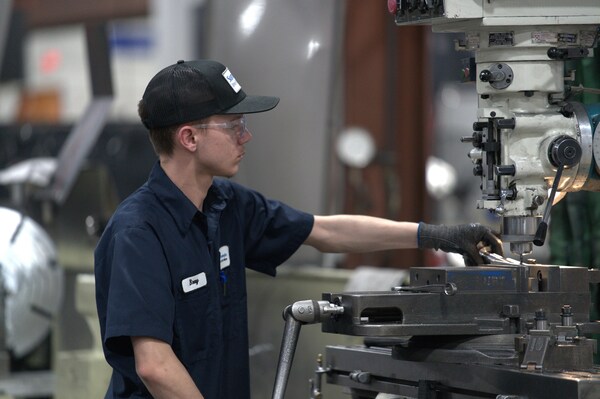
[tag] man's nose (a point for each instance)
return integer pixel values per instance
(246, 137)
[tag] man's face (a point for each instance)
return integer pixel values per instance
(221, 144)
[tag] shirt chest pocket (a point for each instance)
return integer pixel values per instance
(195, 319)
(233, 303)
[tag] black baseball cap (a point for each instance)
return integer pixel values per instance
(193, 90)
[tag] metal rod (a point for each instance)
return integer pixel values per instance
(540, 235)
(286, 355)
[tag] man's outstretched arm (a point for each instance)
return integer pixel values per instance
(358, 233)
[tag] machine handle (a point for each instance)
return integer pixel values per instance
(564, 151)
(291, 332)
(295, 315)
(540, 234)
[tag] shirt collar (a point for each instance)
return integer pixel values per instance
(177, 204)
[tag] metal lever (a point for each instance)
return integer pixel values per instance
(295, 315)
(289, 341)
(572, 53)
(540, 234)
(564, 151)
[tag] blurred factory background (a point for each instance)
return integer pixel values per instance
(369, 122)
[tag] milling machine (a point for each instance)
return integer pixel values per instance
(512, 328)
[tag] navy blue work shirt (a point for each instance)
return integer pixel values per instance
(168, 271)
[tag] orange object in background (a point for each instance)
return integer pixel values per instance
(39, 107)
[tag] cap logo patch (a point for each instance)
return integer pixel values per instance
(231, 80)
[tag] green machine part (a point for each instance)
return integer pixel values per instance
(575, 226)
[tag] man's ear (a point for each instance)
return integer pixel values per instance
(187, 138)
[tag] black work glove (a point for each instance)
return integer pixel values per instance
(462, 239)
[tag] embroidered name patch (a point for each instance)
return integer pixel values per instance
(194, 282)
(225, 260)
(231, 80)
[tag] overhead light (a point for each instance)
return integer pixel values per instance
(313, 47)
(251, 16)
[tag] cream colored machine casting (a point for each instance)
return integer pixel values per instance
(528, 135)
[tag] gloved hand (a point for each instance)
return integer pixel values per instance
(462, 239)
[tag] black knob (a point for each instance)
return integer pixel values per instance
(567, 110)
(506, 123)
(506, 170)
(554, 53)
(565, 151)
(485, 75)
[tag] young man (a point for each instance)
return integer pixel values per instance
(170, 278)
